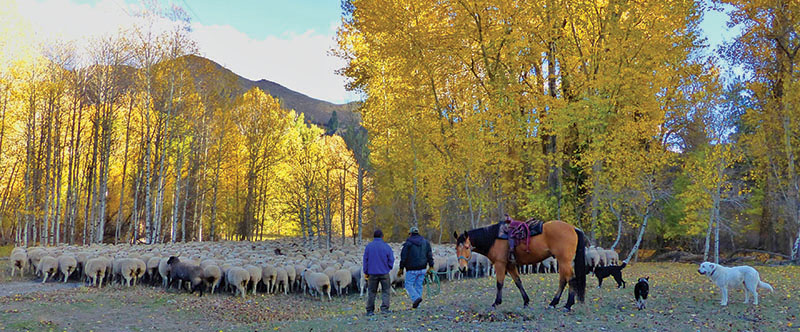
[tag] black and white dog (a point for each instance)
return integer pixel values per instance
(602, 272)
(640, 292)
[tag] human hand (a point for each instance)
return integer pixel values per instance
(399, 273)
(366, 276)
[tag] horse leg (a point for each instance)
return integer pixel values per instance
(501, 276)
(566, 273)
(517, 281)
(561, 284)
(570, 300)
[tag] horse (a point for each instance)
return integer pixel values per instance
(559, 239)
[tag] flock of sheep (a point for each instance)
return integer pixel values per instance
(241, 267)
(596, 256)
(235, 267)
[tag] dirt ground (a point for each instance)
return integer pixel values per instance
(681, 300)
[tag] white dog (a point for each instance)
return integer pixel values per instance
(726, 277)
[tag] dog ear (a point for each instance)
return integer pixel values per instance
(647, 278)
(455, 235)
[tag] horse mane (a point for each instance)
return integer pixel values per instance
(483, 238)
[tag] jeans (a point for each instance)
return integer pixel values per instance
(372, 286)
(413, 283)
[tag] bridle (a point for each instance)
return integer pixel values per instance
(466, 259)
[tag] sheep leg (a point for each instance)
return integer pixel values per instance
(45, 277)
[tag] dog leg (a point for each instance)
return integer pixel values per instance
(724, 301)
(755, 296)
(746, 293)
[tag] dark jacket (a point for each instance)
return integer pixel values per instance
(416, 253)
(378, 258)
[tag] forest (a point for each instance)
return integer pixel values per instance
(614, 116)
(137, 139)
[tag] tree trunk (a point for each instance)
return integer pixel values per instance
(183, 212)
(641, 235)
(596, 168)
(617, 214)
(360, 188)
(124, 172)
(212, 224)
(177, 195)
(341, 197)
(794, 184)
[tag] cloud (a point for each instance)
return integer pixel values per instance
(300, 62)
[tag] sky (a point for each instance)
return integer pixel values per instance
(284, 41)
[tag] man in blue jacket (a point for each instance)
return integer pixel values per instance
(378, 262)
(416, 255)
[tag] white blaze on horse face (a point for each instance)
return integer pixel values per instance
(464, 252)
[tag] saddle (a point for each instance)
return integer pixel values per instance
(520, 230)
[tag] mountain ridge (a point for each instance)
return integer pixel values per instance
(316, 111)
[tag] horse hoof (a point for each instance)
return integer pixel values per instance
(551, 306)
(567, 309)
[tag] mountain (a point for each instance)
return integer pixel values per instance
(316, 111)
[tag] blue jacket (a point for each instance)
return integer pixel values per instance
(378, 258)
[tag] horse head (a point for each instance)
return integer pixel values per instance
(463, 250)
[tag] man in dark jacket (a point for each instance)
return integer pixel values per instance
(415, 256)
(378, 262)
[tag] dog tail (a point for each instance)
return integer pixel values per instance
(765, 285)
(624, 263)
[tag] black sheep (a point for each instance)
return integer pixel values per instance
(187, 272)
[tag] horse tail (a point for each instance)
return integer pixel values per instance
(578, 282)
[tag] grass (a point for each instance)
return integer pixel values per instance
(681, 300)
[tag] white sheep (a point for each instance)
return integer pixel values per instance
(268, 276)
(291, 273)
(19, 261)
(152, 268)
(95, 270)
(281, 280)
(164, 271)
(612, 257)
(592, 257)
(66, 265)
(213, 274)
(48, 266)
(238, 277)
(141, 269)
(342, 280)
(319, 283)
(34, 255)
(255, 276)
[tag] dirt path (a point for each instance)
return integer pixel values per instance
(24, 287)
